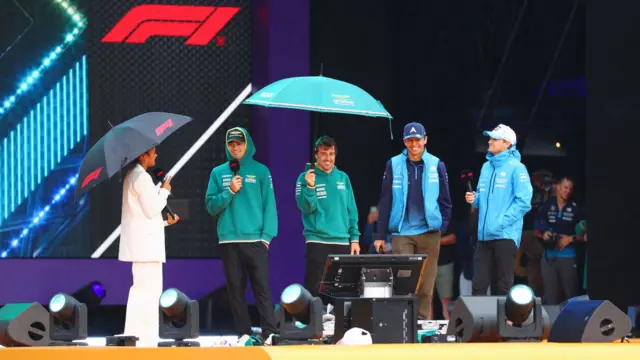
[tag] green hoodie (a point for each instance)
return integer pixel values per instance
(250, 214)
(329, 211)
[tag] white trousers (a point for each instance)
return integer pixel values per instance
(143, 309)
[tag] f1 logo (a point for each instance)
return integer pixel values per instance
(92, 176)
(163, 127)
(200, 23)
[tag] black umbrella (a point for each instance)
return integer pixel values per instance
(123, 144)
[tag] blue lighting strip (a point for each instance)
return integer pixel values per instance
(15, 242)
(57, 127)
(79, 23)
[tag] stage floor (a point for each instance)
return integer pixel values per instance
(488, 351)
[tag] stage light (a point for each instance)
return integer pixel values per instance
(521, 316)
(179, 319)
(299, 316)
(68, 321)
(558, 144)
(91, 294)
(519, 304)
(518, 316)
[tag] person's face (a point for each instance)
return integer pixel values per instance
(149, 158)
(326, 158)
(237, 149)
(564, 189)
(496, 146)
(415, 146)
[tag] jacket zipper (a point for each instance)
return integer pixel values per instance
(484, 223)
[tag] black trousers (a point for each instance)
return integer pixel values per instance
(316, 258)
(559, 279)
(239, 261)
(494, 265)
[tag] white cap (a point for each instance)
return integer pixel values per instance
(356, 336)
(502, 132)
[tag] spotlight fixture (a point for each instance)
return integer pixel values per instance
(299, 316)
(179, 319)
(67, 321)
(520, 315)
(91, 294)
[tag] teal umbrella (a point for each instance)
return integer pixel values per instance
(318, 93)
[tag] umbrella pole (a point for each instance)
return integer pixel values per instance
(314, 138)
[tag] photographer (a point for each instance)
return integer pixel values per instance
(555, 227)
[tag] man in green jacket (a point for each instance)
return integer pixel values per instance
(329, 212)
(240, 193)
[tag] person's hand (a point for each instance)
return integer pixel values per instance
(310, 177)
(373, 216)
(564, 241)
(167, 183)
(355, 248)
(470, 197)
(379, 245)
(265, 244)
(585, 237)
(546, 236)
(172, 220)
(236, 183)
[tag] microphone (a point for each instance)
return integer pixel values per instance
(158, 175)
(467, 177)
(234, 166)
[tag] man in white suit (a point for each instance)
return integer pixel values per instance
(142, 244)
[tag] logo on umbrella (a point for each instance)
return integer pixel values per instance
(342, 100)
(92, 176)
(163, 127)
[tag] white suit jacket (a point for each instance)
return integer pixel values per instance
(142, 232)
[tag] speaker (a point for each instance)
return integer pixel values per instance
(24, 324)
(475, 319)
(590, 321)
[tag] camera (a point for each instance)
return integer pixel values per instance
(552, 243)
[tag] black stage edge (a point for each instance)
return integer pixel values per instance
(613, 115)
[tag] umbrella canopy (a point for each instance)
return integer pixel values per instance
(318, 93)
(123, 144)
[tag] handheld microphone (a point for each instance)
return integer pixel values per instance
(158, 175)
(234, 166)
(467, 177)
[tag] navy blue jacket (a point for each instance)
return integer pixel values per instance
(552, 219)
(415, 197)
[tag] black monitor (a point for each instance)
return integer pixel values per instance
(342, 273)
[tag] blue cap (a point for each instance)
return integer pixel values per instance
(414, 130)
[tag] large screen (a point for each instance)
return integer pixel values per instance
(132, 57)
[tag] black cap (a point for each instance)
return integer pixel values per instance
(236, 134)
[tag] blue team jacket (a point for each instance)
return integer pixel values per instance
(503, 197)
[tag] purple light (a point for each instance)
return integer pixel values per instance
(98, 290)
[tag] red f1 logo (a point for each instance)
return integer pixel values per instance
(163, 127)
(92, 176)
(200, 23)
